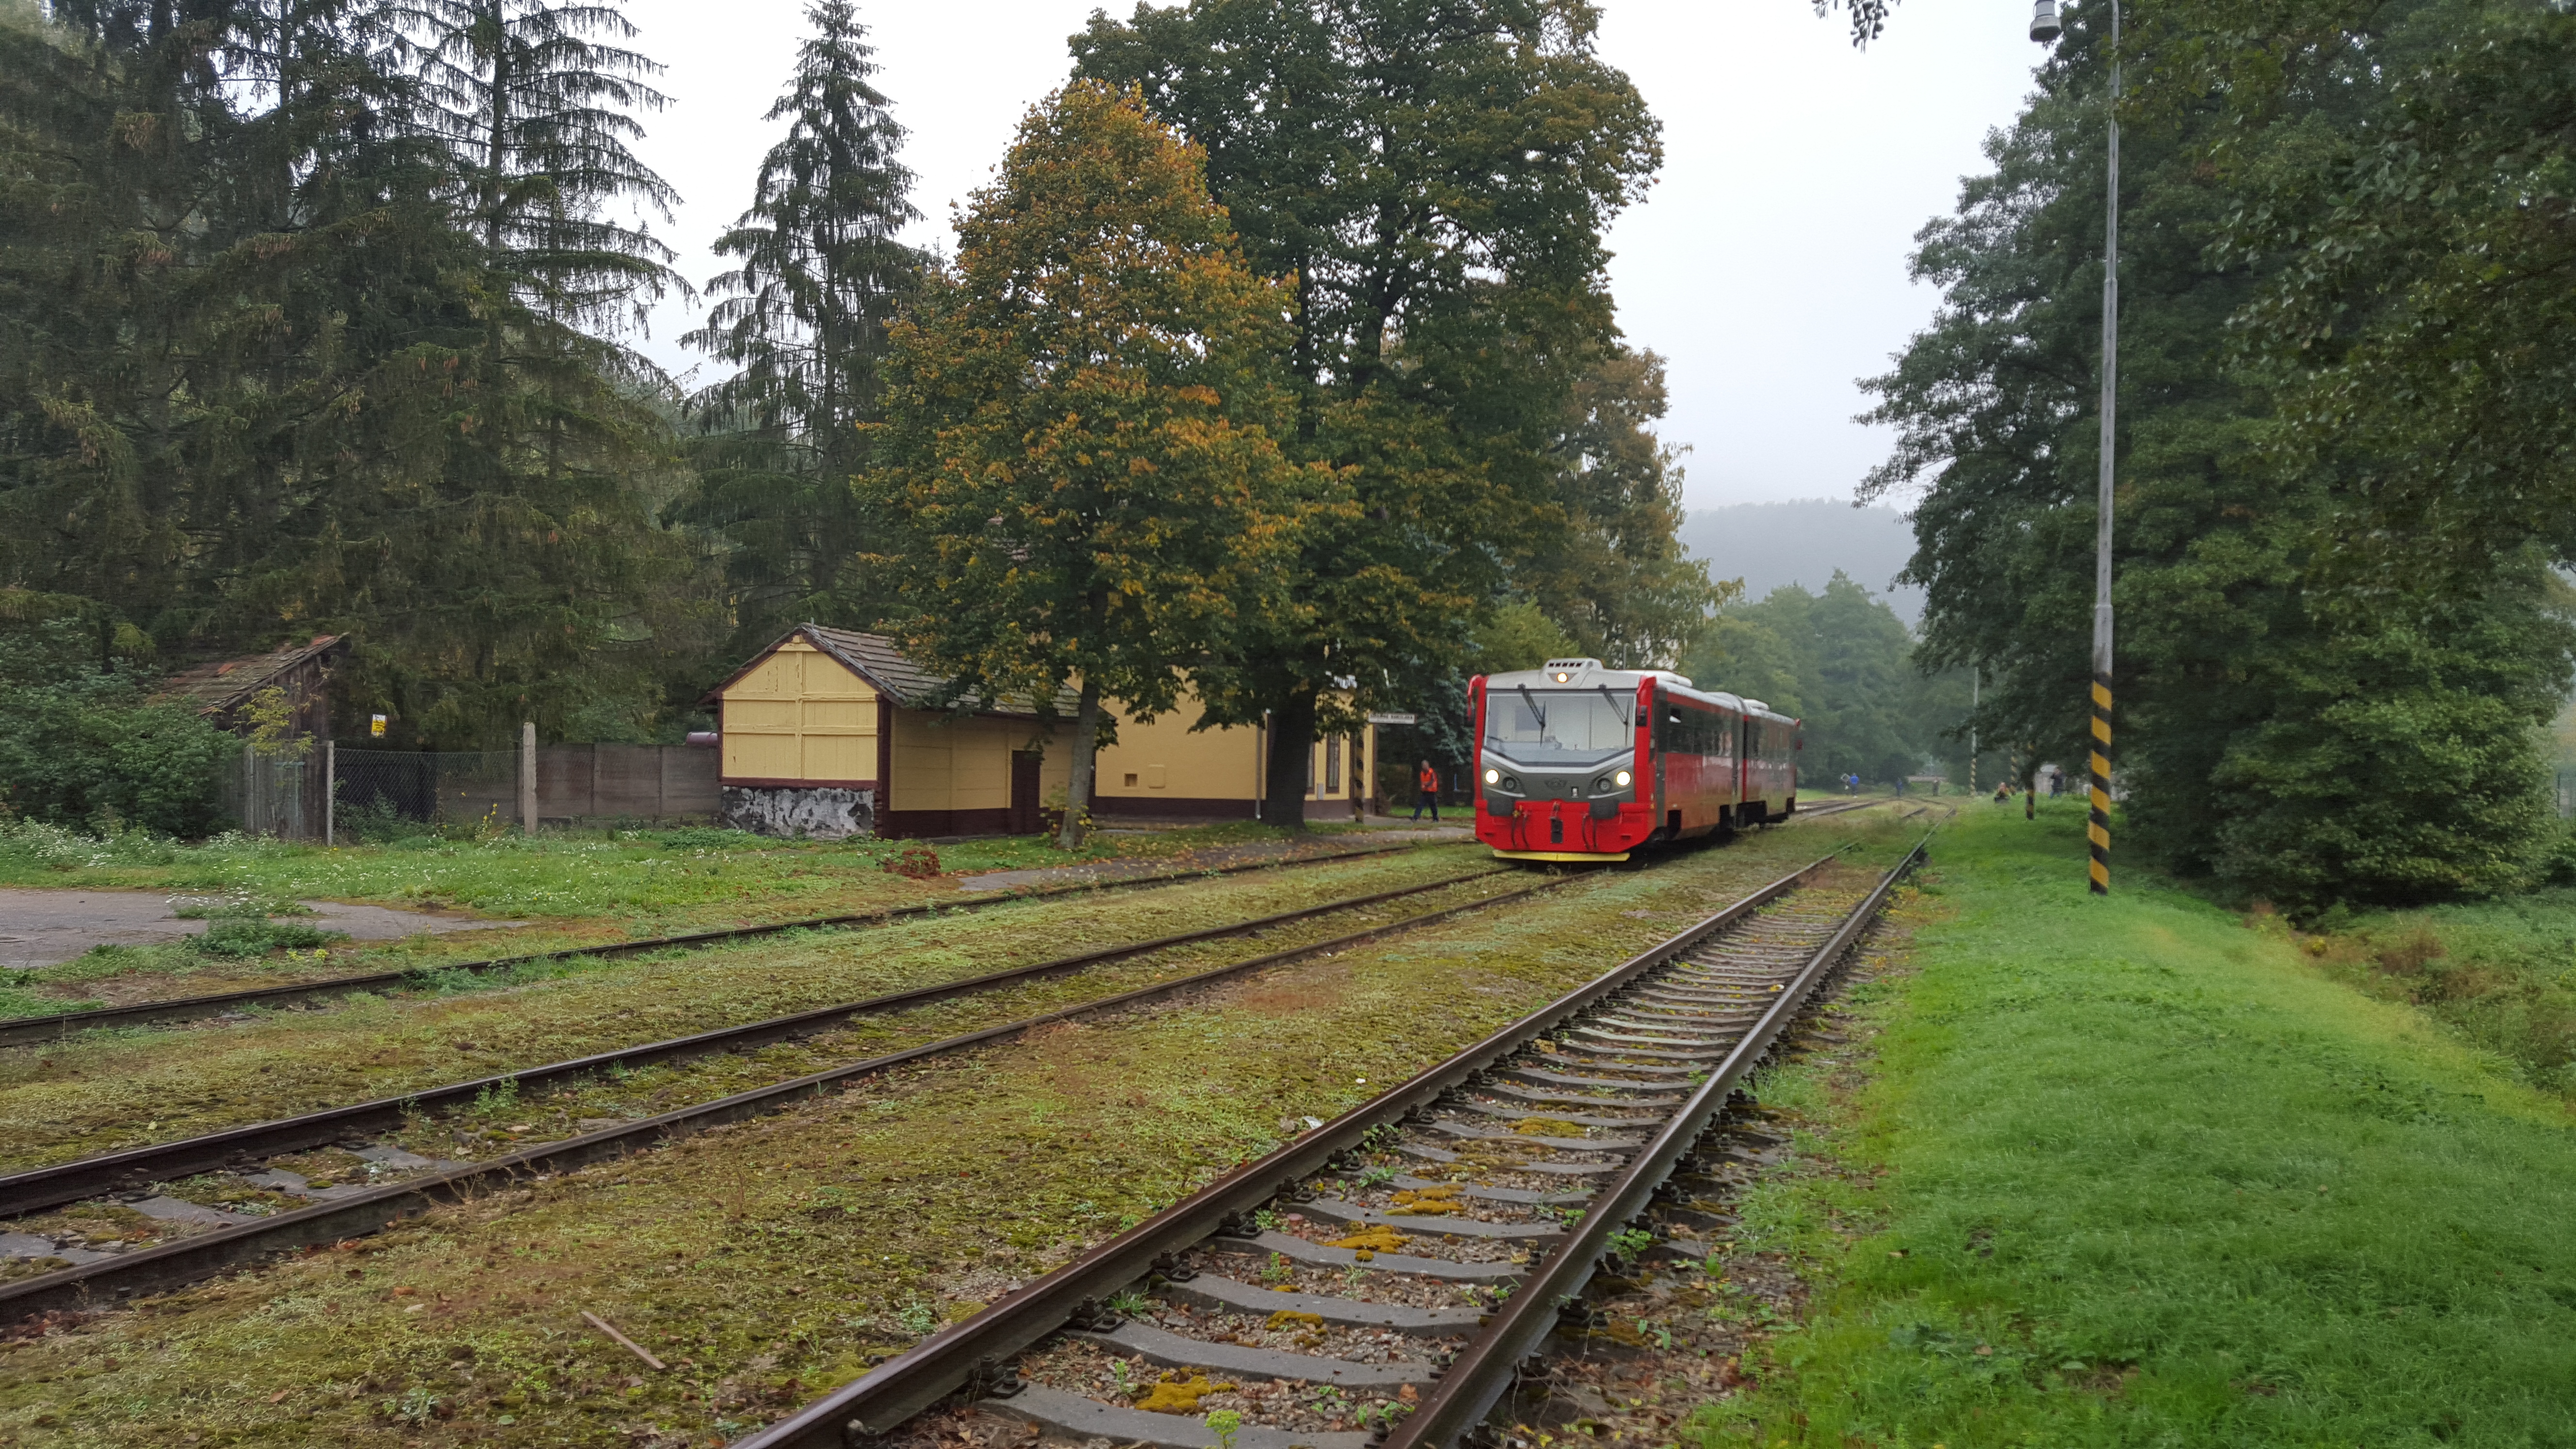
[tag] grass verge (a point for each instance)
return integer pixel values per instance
(2126, 1172)
(574, 888)
(554, 872)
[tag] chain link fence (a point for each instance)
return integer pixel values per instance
(388, 792)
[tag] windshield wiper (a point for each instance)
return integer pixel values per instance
(1616, 712)
(1537, 711)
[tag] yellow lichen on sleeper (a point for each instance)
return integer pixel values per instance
(1176, 1395)
(1372, 1240)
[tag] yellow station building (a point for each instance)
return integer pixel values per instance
(827, 733)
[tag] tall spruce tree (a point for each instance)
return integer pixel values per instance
(538, 111)
(1436, 179)
(804, 319)
(242, 351)
(536, 571)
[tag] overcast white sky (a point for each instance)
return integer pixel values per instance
(1768, 265)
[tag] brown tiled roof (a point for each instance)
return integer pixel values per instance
(876, 659)
(224, 683)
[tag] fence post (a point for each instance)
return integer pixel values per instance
(330, 790)
(528, 777)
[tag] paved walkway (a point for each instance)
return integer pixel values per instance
(1124, 869)
(46, 927)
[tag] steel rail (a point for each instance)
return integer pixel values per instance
(172, 1264)
(36, 1189)
(1489, 1363)
(22, 1030)
(928, 1372)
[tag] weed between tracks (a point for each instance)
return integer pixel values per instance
(772, 1260)
(123, 1088)
(2127, 1172)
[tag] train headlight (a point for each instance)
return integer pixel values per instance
(1493, 777)
(1623, 777)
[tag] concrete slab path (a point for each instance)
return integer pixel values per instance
(46, 927)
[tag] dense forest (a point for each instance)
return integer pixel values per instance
(2342, 459)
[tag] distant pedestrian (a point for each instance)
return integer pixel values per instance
(1426, 783)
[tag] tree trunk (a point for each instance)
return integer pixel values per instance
(1292, 744)
(2030, 790)
(1086, 754)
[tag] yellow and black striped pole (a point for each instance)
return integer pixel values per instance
(2098, 830)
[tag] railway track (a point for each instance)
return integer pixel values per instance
(1838, 807)
(208, 1241)
(30, 1030)
(1389, 1277)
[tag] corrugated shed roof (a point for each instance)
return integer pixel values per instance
(878, 660)
(223, 684)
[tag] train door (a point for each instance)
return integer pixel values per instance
(1748, 747)
(1659, 745)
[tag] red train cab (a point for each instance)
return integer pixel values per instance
(1578, 762)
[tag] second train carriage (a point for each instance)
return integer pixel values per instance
(1578, 762)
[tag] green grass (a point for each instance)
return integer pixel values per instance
(551, 874)
(2501, 973)
(2158, 1178)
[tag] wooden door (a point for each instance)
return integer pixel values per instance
(1024, 816)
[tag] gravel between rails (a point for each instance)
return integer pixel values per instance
(1414, 1246)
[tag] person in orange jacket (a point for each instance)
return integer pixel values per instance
(1426, 781)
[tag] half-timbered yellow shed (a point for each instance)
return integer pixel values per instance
(826, 733)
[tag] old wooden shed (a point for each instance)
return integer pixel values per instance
(280, 787)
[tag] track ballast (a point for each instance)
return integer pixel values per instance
(1389, 1277)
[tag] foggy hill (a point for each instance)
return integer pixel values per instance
(1770, 544)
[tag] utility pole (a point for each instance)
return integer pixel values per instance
(1976, 680)
(2044, 28)
(528, 777)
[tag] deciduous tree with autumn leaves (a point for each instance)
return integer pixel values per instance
(1080, 469)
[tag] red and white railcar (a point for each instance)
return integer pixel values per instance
(1578, 762)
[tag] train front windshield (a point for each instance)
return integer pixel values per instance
(1558, 727)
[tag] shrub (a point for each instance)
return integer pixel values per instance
(54, 847)
(79, 746)
(238, 937)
